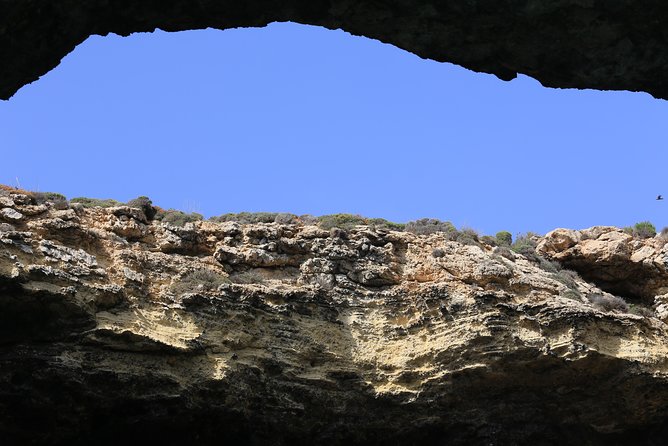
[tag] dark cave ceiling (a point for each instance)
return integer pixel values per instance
(606, 45)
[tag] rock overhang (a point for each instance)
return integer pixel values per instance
(618, 45)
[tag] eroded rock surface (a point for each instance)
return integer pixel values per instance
(613, 259)
(114, 328)
(616, 45)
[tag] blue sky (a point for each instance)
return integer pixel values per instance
(301, 119)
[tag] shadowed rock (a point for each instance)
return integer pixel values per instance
(615, 45)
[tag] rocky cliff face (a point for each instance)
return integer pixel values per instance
(114, 328)
(616, 45)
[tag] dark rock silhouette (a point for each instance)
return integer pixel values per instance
(620, 45)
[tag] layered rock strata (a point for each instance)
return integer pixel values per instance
(615, 45)
(114, 328)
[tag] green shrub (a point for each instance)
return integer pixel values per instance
(178, 218)
(59, 201)
(247, 217)
(381, 223)
(341, 221)
(489, 240)
(258, 217)
(44, 197)
(644, 229)
(95, 202)
(426, 226)
(145, 204)
(467, 236)
(525, 245)
(198, 280)
(394, 226)
(223, 218)
(504, 238)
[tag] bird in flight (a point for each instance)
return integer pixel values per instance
(659, 197)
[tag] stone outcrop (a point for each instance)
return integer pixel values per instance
(616, 45)
(115, 328)
(613, 259)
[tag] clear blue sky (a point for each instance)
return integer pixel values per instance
(305, 120)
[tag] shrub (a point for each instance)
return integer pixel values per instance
(247, 277)
(641, 310)
(426, 226)
(571, 294)
(437, 252)
(394, 226)
(145, 204)
(44, 197)
(505, 252)
(284, 218)
(526, 245)
(178, 218)
(664, 232)
(342, 221)
(608, 303)
(489, 240)
(59, 201)
(223, 218)
(644, 229)
(567, 277)
(504, 238)
(381, 223)
(467, 236)
(259, 217)
(308, 219)
(95, 202)
(548, 265)
(247, 217)
(198, 280)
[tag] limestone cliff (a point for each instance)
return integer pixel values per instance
(116, 328)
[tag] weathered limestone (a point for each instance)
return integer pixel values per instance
(613, 259)
(289, 334)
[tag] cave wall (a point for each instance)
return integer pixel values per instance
(607, 45)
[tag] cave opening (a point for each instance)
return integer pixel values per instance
(197, 129)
